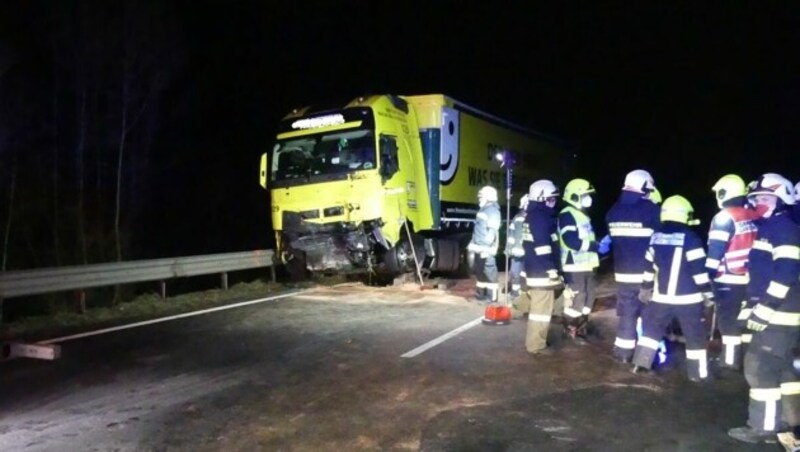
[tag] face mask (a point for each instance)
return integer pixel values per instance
(586, 202)
(766, 205)
(762, 210)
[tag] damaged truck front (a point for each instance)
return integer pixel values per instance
(385, 178)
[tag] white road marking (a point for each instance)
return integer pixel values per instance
(166, 319)
(440, 339)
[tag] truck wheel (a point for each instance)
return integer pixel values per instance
(393, 259)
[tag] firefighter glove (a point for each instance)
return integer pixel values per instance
(569, 296)
(604, 246)
(755, 324)
(645, 295)
(759, 319)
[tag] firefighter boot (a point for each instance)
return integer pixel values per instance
(750, 435)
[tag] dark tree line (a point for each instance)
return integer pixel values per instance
(82, 100)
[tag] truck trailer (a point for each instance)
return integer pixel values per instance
(385, 180)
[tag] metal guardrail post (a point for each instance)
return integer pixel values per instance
(163, 289)
(224, 281)
(272, 273)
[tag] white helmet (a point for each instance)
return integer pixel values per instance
(487, 194)
(639, 181)
(776, 185)
(541, 190)
(523, 201)
(797, 192)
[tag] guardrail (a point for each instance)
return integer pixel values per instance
(80, 277)
(48, 280)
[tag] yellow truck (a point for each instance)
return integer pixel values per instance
(356, 187)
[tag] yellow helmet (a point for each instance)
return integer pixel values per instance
(655, 196)
(575, 189)
(728, 187)
(679, 209)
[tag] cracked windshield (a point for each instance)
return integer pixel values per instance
(320, 155)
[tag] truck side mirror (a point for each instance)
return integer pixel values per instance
(389, 165)
(264, 169)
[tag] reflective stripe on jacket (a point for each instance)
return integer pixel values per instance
(631, 222)
(774, 286)
(730, 238)
(677, 274)
(540, 241)
(577, 241)
(486, 231)
(515, 229)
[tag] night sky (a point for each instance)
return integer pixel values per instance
(687, 91)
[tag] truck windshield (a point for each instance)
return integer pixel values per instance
(335, 153)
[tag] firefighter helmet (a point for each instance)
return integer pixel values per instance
(776, 185)
(797, 192)
(679, 209)
(542, 189)
(523, 201)
(575, 189)
(488, 194)
(655, 196)
(728, 187)
(639, 181)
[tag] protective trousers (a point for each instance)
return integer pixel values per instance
(515, 274)
(629, 308)
(774, 388)
(541, 310)
(485, 271)
(729, 299)
(655, 319)
(583, 284)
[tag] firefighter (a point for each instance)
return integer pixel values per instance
(730, 238)
(796, 206)
(515, 251)
(578, 256)
(773, 315)
(540, 241)
(675, 286)
(655, 196)
(483, 246)
(631, 221)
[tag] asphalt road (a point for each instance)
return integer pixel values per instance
(323, 370)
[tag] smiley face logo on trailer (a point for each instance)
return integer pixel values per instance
(449, 146)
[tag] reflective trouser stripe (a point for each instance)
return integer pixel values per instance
(746, 338)
(770, 398)
(633, 278)
(790, 388)
(699, 355)
(730, 343)
(627, 344)
(539, 318)
(648, 342)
